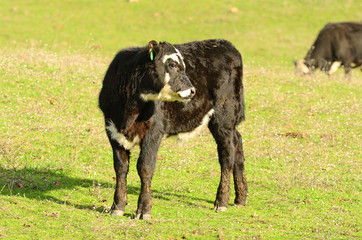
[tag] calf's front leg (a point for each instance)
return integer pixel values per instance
(146, 167)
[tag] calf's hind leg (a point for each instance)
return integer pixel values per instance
(225, 146)
(240, 184)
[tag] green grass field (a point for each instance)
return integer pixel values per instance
(302, 136)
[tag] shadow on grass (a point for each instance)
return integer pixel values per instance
(38, 183)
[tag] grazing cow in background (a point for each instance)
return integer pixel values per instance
(164, 89)
(337, 44)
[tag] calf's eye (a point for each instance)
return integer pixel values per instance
(172, 65)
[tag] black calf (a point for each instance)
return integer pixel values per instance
(166, 89)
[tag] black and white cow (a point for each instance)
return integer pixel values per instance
(164, 89)
(337, 44)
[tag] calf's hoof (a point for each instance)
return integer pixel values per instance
(117, 213)
(240, 203)
(146, 216)
(220, 209)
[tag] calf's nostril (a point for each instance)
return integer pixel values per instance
(193, 92)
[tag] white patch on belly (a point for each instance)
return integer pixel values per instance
(196, 131)
(334, 67)
(120, 138)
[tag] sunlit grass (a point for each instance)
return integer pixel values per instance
(301, 135)
(301, 143)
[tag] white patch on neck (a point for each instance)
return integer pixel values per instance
(196, 131)
(120, 138)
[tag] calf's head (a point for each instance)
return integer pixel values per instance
(302, 67)
(168, 80)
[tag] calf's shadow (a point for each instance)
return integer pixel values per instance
(36, 183)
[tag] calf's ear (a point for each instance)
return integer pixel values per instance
(151, 45)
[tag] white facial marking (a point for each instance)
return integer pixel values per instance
(301, 67)
(120, 138)
(185, 93)
(196, 131)
(167, 78)
(174, 56)
(182, 58)
(178, 52)
(334, 67)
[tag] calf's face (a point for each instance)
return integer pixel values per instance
(169, 79)
(301, 68)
